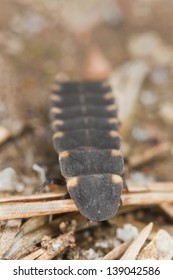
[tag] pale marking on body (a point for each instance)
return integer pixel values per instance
(114, 133)
(58, 134)
(115, 153)
(112, 120)
(105, 84)
(108, 96)
(61, 78)
(64, 154)
(111, 108)
(116, 179)
(56, 87)
(57, 122)
(56, 110)
(55, 97)
(73, 182)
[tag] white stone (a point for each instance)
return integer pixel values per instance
(127, 232)
(9, 180)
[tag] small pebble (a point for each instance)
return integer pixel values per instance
(139, 177)
(159, 76)
(91, 254)
(9, 181)
(139, 134)
(144, 44)
(109, 243)
(148, 98)
(127, 232)
(28, 23)
(160, 248)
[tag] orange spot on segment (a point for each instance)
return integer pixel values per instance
(56, 110)
(58, 134)
(55, 97)
(115, 153)
(114, 133)
(56, 87)
(72, 183)
(112, 120)
(117, 179)
(57, 122)
(64, 154)
(111, 108)
(108, 96)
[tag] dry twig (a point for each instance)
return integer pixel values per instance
(26, 244)
(31, 209)
(164, 187)
(57, 246)
(33, 197)
(34, 255)
(52, 247)
(136, 245)
(146, 198)
(118, 251)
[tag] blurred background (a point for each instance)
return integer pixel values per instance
(128, 42)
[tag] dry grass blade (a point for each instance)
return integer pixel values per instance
(136, 245)
(32, 224)
(31, 209)
(151, 187)
(146, 198)
(118, 251)
(26, 244)
(160, 248)
(52, 247)
(34, 255)
(150, 154)
(33, 197)
(126, 82)
(8, 235)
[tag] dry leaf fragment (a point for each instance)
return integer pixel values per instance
(57, 246)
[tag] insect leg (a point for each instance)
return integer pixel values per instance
(56, 181)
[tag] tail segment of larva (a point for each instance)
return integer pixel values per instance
(86, 138)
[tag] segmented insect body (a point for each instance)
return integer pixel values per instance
(86, 138)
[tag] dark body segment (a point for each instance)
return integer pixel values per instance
(86, 138)
(87, 110)
(85, 123)
(62, 100)
(95, 87)
(97, 196)
(90, 161)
